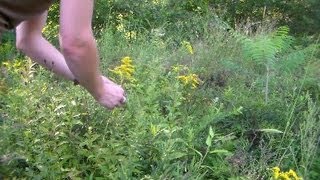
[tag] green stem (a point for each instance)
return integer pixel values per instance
(267, 84)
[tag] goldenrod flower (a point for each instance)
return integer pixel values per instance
(185, 76)
(130, 35)
(284, 176)
(125, 70)
(293, 174)
(12, 65)
(191, 79)
(120, 27)
(188, 46)
(155, 1)
(120, 17)
(289, 175)
(276, 172)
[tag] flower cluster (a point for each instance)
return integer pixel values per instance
(156, 2)
(130, 35)
(13, 65)
(289, 175)
(125, 70)
(121, 28)
(186, 77)
(190, 79)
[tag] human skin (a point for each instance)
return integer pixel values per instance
(30, 41)
(78, 58)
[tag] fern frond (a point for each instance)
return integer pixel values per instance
(281, 39)
(261, 49)
(264, 48)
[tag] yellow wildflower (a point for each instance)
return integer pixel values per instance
(276, 172)
(191, 79)
(125, 70)
(120, 27)
(120, 17)
(284, 176)
(289, 175)
(12, 65)
(130, 35)
(188, 46)
(293, 174)
(126, 60)
(155, 1)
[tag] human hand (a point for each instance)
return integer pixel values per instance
(111, 95)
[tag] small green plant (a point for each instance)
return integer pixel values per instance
(265, 50)
(309, 135)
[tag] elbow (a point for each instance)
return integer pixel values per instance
(74, 47)
(22, 44)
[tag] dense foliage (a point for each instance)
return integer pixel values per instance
(207, 98)
(301, 16)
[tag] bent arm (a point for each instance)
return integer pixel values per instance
(78, 44)
(80, 51)
(30, 41)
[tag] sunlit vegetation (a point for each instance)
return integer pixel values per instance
(210, 95)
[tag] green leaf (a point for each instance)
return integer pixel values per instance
(91, 176)
(176, 155)
(221, 151)
(209, 141)
(272, 131)
(211, 133)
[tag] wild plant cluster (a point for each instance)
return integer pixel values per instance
(204, 101)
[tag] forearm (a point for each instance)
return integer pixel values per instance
(82, 59)
(45, 54)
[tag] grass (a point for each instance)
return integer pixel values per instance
(221, 129)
